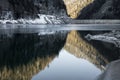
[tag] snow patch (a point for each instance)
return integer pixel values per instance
(112, 37)
(43, 19)
(46, 32)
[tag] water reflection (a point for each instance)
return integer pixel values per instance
(22, 55)
(99, 53)
(107, 48)
(77, 46)
(89, 59)
(68, 67)
(25, 55)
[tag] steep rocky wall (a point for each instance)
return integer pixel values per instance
(30, 8)
(80, 9)
(93, 9)
(74, 7)
(4, 5)
(23, 8)
(101, 9)
(111, 72)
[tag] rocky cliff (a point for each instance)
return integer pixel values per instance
(93, 9)
(101, 9)
(80, 9)
(30, 8)
(74, 7)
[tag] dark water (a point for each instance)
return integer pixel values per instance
(43, 54)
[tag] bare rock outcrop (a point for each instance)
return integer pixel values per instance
(101, 9)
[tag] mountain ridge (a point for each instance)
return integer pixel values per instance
(75, 9)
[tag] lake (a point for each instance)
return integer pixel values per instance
(57, 52)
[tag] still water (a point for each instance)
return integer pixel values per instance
(68, 67)
(43, 54)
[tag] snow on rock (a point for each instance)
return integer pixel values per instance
(46, 32)
(43, 19)
(112, 37)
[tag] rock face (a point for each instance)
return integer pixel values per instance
(80, 9)
(93, 9)
(74, 7)
(30, 8)
(111, 37)
(101, 9)
(112, 72)
(23, 8)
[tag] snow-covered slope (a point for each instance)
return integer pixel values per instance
(43, 19)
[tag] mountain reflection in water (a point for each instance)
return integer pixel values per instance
(68, 67)
(26, 56)
(99, 53)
